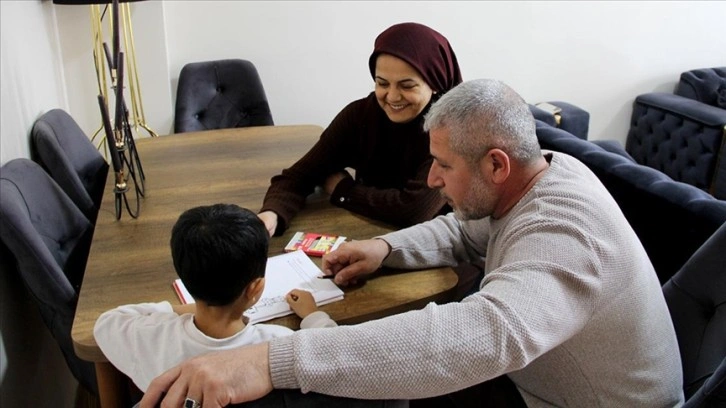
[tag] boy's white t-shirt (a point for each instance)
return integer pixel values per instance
(144, 340)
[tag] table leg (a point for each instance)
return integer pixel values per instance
(112, 386)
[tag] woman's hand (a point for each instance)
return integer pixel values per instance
(270, 220)
(332, 181)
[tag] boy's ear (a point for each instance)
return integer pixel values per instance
(255, 288)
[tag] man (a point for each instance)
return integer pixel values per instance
(570, 308)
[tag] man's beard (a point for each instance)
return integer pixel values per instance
(478, 202)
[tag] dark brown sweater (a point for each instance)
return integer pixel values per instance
(391, 163)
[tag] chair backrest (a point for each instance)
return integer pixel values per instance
(706, 85)
(696, 297)
(218, 95)
(60, 146)
(50, 239)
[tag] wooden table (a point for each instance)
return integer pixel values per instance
(130, 259)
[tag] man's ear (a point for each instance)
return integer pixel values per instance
(253, 291)
(499, 165)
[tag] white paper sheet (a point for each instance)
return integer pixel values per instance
(293, 270)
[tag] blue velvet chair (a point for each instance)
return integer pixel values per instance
(569, 117)
(683, 230)
(672, 219)
(49, 239)
(682, 134)
(60, 146)
(696, 297)
(218, 95)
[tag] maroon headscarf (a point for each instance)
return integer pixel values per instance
(424, 49)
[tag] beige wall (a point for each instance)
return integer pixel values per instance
(312, 55)
(33, 372)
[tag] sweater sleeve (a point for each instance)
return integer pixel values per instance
(288, 191)
(412, 204)
(443, 241)
(443, 348)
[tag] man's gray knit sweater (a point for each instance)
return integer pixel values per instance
(570, 308)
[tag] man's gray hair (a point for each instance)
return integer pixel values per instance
(483, 114)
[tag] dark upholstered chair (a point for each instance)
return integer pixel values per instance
(696, 297)
(569, 117)
(49, 238)
(60, 146)
(712, 393)
(682, 134)
(218, 95)
(672, 219)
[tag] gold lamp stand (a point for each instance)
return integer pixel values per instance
(99, 59)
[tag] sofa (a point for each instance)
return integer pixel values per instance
(671, 218)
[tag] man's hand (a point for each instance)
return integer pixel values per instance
(215, 379)
(354, 259)
(270, 220)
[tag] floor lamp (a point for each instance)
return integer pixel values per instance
(119, 139)
(100, 10)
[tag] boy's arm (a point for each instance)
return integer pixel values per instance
(303, 304)
(316, 320)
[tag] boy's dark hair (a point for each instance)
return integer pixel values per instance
(218, 250)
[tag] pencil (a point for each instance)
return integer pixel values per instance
(326, 277)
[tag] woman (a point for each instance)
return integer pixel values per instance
(381, 137)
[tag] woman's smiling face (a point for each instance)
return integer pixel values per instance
(400, 90)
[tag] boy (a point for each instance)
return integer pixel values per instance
(220, 254)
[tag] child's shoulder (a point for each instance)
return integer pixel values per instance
(268, 331)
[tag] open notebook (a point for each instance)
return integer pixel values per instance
(293, 270)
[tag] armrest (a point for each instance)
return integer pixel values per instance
(543, 115)
(681, 137)
(613, 146)
(570, 118)
(687, 108)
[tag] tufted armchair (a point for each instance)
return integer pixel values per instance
(220, 94)
(682, 134)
